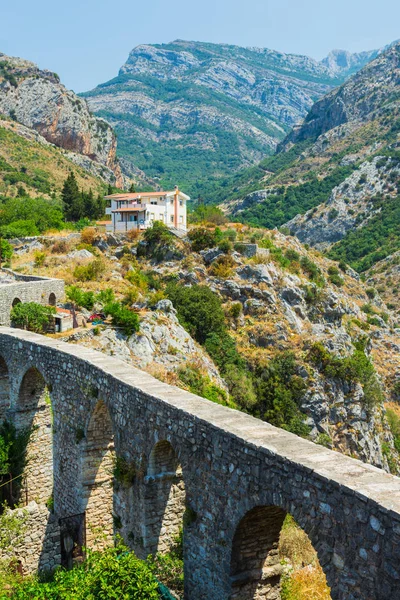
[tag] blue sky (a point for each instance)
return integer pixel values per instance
(86, 41)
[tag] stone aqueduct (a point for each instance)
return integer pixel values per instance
(230, 477)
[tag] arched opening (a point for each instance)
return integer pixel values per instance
(97, 476)
(270, 550)
(34, 417)
(165, 500)
(52, 299)
(4, 389)
(15, 302)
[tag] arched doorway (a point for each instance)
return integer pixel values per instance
(15, 302)
(52, 299)
(266, 551)
(4, 389)
(34, 416)
(164, 499)
(97, 479)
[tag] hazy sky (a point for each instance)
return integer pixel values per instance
(86, 41)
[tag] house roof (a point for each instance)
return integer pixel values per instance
(139, 195)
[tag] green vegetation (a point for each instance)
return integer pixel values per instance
(122, 317)
(26, 215)
(378, 238)
(285, 203)
(32, 316)
(200, 384)
(356, 368)
(12, 459)
(279, 392)
(79, 204)
(114, 574)
(158, 242)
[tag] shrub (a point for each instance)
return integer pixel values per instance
(123, 317)
(310, 269)
(90, 272)
(371, 293)
(32, 316)
(40, 258)
(222, 267)
(6, 251)
(80, 298)
(158, 241)
(225, 246)
(88, 235)
(202, 238)
(201, 384)
(334, 276)
(199, 310)
(19, 228)
(113, 573)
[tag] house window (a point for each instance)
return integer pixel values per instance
(172, 218)
(152, 216)
(153, 202)
(172, 200)
(181, 219)
(181, 202)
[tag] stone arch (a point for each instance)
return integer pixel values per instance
(165, 499)
(52, 299)
(4, 389)
(256, 566)
(97, 478)
(15, 302)
(34, 415)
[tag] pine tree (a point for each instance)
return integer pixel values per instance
(109, 190)
(72, 199)
(132, 189)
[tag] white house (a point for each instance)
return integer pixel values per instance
(140, 210)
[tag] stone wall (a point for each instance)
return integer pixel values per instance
(241, 477)
(40, 547)
(28, 288)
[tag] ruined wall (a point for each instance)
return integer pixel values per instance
(231, 465)
(40, 548)
(27, 288)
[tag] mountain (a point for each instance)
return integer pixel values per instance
(335, 178)
(31, 164)
(36, 99)
(190, 112)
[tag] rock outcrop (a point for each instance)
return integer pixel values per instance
(38, 100)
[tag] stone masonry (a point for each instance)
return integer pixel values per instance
(239, 478)
(16, 288)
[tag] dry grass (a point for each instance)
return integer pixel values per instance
(306, 581)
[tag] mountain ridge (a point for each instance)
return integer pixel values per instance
(191, 112)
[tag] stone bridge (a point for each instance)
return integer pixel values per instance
(175, 457)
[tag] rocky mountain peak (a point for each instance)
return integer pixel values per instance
(36, 98)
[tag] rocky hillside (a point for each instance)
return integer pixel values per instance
(336, 177)
(36, 99)
(32, 166)
(278, 331)
(186, 112)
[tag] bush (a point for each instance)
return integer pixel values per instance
(225, 246)
(334, 276)
(202, 238)
(113, 573)
(222, 267)
(199, 310)
(310, 269)
(40, 258)
(80, 298)
(32, 316)
(88, 235)
(6, 251)
(123, 317)
(19, 228)
(201, 384)
(90, 272)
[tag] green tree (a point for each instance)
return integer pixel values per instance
(32, 316)
(72, 199)
(6, 251)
